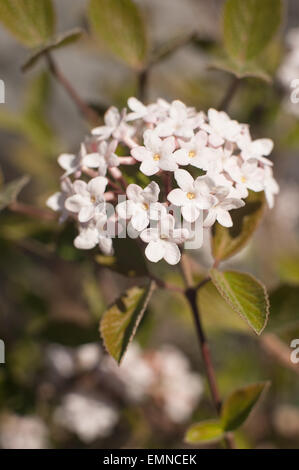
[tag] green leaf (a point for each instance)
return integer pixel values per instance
(120, 27)
(120, 322)
(10, 191)
(226, 242)
(245, 294)
(239, 404)
(241, 70)
(216, 312)
(203, 432)
(61, 40)
(249, 26)
(133, 265)
(32, 22)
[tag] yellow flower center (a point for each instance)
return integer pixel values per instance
(93, 199)
(190, 195)
(191, 154)
(145, 206)
(156, 157)
(243, 179)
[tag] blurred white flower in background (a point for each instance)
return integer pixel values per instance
(134, 372)
(179, 388)
(87, 417)
(23, 432)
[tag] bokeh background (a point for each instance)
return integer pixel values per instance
(58, 388)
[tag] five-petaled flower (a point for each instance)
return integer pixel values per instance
(162, 241)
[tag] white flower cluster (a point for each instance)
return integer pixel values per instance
(211, 158)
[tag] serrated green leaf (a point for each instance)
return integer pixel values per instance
(226, 242)
(216, 312)
(61, 40)
(120, 322)
(237, 407)
(245, 294)
(120, 27)
(32, 22)
(206, 431)
(249, 26)
(10, 191)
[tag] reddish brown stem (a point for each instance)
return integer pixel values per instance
(190, 294)
(226, 101)
(32, 211)
(91, 116)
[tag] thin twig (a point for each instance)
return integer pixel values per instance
(91, 116)
(142, 84)
(234, 85)
(190, 294)
(32, 211)
(165, 285)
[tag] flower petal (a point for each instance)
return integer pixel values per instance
(140, 153)
(184, 180)
(149, 167)
(97, 186)
(224, 218)
(154, 251)
(75, 203)
(86, 213)
(190, 212)
(177, 197)
(140, 220)
(134, 192)
(172, 253)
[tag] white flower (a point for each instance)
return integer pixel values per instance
(88, 198)
(156, 154)
(115, 126)
(141, 205)
(105, 158)
(221, 128)
(179, 122)
(92, 233)
(255, 149)
(193, 196)
(247, 175)
(150, 114)
(191, 151)
(57, 200)
(220, 210)
(271, 187)
(163, 241)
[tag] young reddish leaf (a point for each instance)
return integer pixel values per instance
(245, 294)
(239, 404)
(226, 242)
(120, 322)
(206, 431)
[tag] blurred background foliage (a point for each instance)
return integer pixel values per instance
(53, 392)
